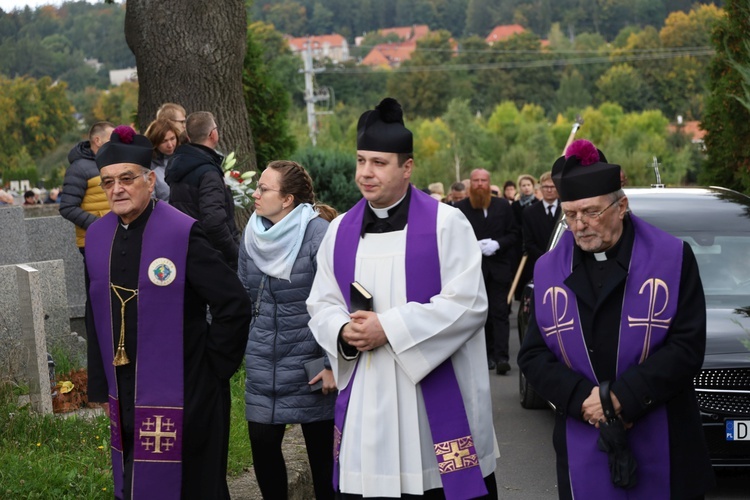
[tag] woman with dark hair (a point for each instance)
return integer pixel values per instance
(277, 266)
(164, 136)
(526, 198)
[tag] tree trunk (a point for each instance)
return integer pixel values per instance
(191, 52)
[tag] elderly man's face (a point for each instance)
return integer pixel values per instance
(596, 223)
(128, 188)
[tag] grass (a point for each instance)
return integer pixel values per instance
(44, 457)
(63, 363)
(51, 457)
(240, 455)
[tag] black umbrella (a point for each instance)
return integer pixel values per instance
(613, 440)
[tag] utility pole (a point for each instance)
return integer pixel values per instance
(313, 95)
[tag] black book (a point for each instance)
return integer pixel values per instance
(312, 368)
(360, 298)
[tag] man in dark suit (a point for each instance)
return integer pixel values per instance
(497, 233)
(539, 221)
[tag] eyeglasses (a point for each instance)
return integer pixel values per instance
(586, 217)
(125, 180)
(550, 187)
(263, 189)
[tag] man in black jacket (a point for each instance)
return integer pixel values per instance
(197, 185)
(497, 233)
(83, 201)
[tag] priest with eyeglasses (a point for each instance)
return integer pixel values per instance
(160, 368)
(616, 333)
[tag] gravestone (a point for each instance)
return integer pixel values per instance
(33, 339)
(25, 237)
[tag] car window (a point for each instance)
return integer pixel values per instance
(724, 263)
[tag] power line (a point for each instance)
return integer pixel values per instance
(535, 63)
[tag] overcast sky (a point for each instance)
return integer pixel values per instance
(9, 5)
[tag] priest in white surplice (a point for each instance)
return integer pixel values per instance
(414, 415)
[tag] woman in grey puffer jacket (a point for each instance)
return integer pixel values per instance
(277, 267)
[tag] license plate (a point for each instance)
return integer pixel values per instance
(738, 430)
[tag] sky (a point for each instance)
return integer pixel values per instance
(9, 5)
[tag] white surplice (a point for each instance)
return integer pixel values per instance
(387, 448)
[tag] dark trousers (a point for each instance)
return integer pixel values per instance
(269, 465)
(436, 494)
(497, 327)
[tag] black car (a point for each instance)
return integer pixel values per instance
(716, 224)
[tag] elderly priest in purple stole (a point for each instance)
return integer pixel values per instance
(413, 416)
(617, 304)
(163, 370)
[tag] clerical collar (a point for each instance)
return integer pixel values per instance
(395, 219)
(613, 251)
(141, 219)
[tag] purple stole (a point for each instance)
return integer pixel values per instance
(157, 443)
(649, 304)
(454, 446)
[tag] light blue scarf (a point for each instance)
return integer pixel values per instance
(275, 249)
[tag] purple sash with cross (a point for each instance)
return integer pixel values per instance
(649, 305)
(453, 444)
(157, 443)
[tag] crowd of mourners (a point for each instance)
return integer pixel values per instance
(368, 327)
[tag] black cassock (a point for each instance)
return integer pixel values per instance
(665, 378)
(212, 353)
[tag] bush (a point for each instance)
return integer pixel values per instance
(333, 176)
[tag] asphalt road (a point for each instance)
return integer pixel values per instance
(526, 468)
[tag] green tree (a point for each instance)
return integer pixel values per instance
(572, 93)
(288, 17)
(419, 87)
(266, 99)
(333, 176)
(119, 105)
(624, 85)
(34, 115)
(681, 83)
(321, 22)
(726, 119)
(433, 155)
(465, 138)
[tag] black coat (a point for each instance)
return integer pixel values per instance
(537, 229)
(499, 225)
(664, 378)
(197, 188)
(211, 355)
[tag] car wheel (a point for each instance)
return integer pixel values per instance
(529, 398)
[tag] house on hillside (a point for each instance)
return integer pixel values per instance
(502, 32)
(389, 55)
(691, 128)
(407, 33)
(333, 47)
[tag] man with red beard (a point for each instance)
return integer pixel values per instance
(497, 233)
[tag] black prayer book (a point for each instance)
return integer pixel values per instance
(360, 298)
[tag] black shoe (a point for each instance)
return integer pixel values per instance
(491, 364)
(502, 368)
